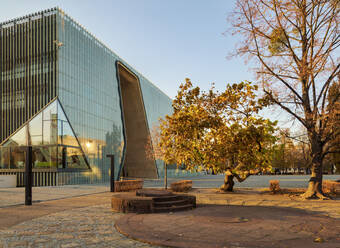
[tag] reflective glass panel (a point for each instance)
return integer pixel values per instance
(50, 124)
(4, 157)
(45, 157)
(18, 139)
(65, 132)
(35, 131)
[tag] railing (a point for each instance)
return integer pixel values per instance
(41, 177)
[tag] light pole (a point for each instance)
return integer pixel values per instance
(112, 173)
(28, 176)
(165, 176)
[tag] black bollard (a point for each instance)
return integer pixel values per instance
(112, 174)
(28, 176)
(165, 176)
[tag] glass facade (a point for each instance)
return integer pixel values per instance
(88, 91)
(74, 128)
(27, 67)
(54, 143)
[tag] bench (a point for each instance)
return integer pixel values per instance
(128, 185)
(332, 187)
(8, 181)
(181, 186)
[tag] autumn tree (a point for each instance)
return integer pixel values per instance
(154, 151)
(152, 148)
(296, 46)
(218, 131)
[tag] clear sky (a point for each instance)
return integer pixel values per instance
(165, 40)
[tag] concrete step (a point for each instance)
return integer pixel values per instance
(171, 203)
(172, 209)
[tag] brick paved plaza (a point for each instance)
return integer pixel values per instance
(87, 221)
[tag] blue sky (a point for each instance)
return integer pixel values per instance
(165, 40)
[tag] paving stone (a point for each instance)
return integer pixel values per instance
(80, 227)
(18, 244)
(93, 226)
(39, 240)
(70, 245)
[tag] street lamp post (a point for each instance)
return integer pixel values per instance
(28, 176)
(165, 176)
(112, 174)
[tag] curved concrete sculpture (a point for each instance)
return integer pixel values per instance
(136, 164)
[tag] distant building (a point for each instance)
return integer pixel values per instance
(75, 101)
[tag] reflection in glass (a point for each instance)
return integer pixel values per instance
(45, 157)
(35, 131)
(17, 157)
(54, 143)
(75, 158)
(4, 157)
(18, 139)
(65, 132)
(50, 124)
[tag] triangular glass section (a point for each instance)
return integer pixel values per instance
(12, 153)
(65, 132)
(70, 150)
(41, 130)
(52, 138)
(18, 138)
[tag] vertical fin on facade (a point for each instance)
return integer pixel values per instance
(27, 69)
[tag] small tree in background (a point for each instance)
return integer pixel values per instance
(291, 152)
(152, 149)
(218, 131)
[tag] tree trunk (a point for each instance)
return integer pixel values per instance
(229, 179)
(228, 183)
(314, 190)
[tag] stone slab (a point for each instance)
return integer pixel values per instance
(8, 181)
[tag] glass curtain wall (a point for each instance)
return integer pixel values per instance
(88, 92)
(54, 143)
(62, 61)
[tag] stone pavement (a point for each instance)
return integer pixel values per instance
(16, 196)
(246, 218)
(261, 197)
(85, 221)
(84, 227)
(14, 215)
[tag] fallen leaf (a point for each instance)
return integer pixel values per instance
(319, 240)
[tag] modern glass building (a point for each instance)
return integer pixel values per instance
(74, 100)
